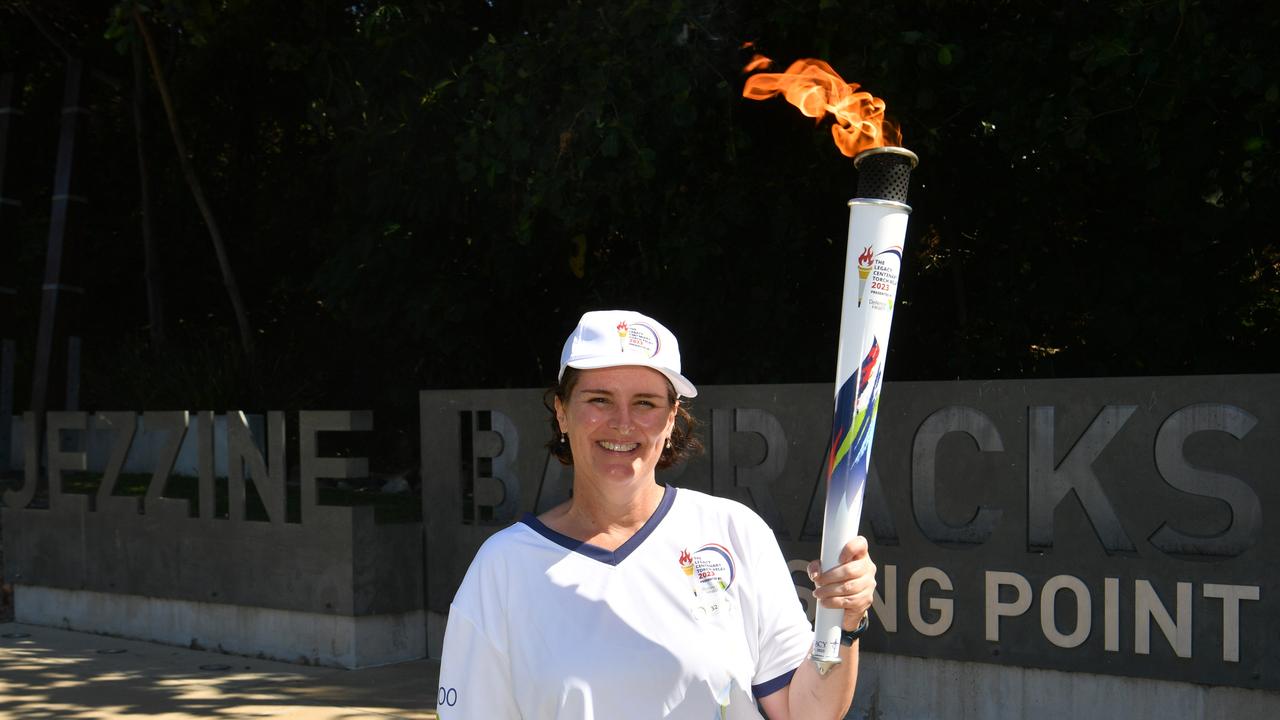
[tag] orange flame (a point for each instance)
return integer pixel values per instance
(816, 89)
(686, 558)
(758, 62)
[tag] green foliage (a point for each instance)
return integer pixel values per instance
(427, 193)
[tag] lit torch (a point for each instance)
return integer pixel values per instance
(877, 225)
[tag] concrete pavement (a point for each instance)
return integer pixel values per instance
(50, 673)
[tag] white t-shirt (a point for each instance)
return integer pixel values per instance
(693, 617)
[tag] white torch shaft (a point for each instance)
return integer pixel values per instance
(876, 232)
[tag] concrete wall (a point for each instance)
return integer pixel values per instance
(898, 687)
(302, 637)
(1111, 525)
(344, 592)
(1062, 548)
(346, 566)
(1129, 514)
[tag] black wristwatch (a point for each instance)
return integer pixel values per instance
(848, 636)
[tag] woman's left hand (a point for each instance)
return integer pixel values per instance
(849, 585)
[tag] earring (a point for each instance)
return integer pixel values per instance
(564, 438)
(668, 444)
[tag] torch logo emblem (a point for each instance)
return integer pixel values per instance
(686, 564)
(865, 260)
(710, 572)
(638, 338)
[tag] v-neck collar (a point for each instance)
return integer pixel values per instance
(595, 552)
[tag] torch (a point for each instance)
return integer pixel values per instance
(873, 264)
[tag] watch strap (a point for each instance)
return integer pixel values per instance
(847, 637)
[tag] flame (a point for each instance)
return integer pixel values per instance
(816, 89)
(865, 258)
(622, 329)
(685, 557)
(758, 62)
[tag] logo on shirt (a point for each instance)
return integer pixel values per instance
(713, 567)
(710, 572)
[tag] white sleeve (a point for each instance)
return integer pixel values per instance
(475, 679)
(785, 633)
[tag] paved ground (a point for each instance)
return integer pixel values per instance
(60, 674)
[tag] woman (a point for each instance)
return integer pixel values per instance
(635, 600)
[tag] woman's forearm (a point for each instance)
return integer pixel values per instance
(825, 696)
(811, 696)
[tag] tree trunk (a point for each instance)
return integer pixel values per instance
(155, 301)
(197, 192)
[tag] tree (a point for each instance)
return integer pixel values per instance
(135, 13)
(426, 194)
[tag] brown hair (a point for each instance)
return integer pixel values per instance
(684, 442)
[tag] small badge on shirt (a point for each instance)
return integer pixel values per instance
(710, 573)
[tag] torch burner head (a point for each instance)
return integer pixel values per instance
(884, 173)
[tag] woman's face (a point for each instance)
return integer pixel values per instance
(618, 420)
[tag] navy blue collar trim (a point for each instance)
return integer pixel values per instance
(595, 552)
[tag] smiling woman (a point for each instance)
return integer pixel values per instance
(615, 411)
(681, 444)
(617, 423)
(633, 599)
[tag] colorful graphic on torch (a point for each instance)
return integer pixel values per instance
(854, 426)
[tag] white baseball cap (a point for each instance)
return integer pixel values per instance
(610, 338)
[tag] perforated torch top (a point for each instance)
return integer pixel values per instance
(884, 173)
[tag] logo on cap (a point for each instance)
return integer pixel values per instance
(637, 338)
